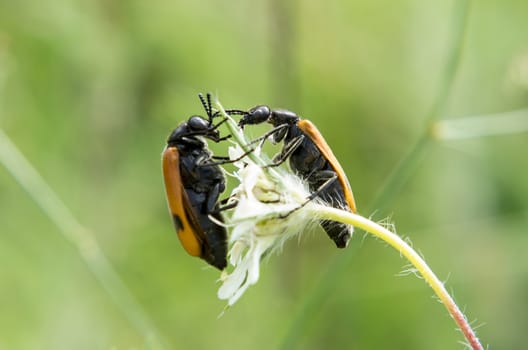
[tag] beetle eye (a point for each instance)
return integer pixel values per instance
(198, 123)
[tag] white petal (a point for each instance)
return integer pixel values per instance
(260, 222)
(232, 284)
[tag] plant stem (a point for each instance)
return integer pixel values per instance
(241, 140)
(399, 177)
(505, 123)
(237, 134)
(458, 24)
(82, 238)
(404, 249)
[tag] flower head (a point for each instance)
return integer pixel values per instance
(271, 208)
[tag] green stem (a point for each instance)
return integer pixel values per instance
(458, 25)
(399, 177)
(401, 174)
(479, 126)
(237, 134)
(82, 238)
(241, 140)
(404, 249)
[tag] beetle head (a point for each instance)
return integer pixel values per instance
(255, 115)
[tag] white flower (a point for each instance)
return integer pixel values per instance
(271, 208)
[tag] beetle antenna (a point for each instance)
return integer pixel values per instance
(210, 112)
(236, 111)
(206, 106)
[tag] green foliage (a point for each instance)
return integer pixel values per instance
(89, 90)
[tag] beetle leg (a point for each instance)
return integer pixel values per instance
(286, 152)
(220, 123)
(280, 133)
(192, 141)
(212, 197)
(329, 176)
(224, 201)
(225, 207)
(222, 160)
(316, 193)
(236, 159)
(214, 127)
(224, 138)
(212, 204)
(264, 137)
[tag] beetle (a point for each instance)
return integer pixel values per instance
(310, 157)
(193, 183)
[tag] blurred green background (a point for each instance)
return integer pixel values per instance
(89, 91)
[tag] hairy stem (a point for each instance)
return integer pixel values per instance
(404, 249)
(401, 174)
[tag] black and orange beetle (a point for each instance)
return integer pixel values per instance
(193, 183)
(312, 159)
